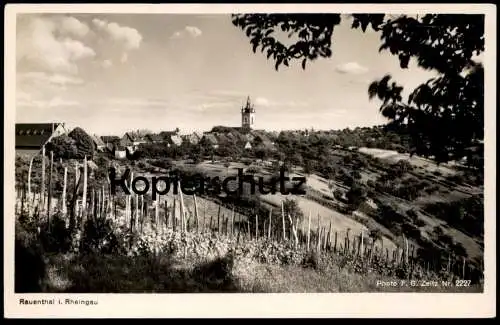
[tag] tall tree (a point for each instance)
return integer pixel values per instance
(443, 116)
(84, 143)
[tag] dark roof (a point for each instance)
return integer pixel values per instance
(154, 137)
(110, 138)
(130, 136)
(134, 137)
(34, 135)
(97, 140)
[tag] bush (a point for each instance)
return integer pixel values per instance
(58, 237)
(459, 249)
(446, 239)
(165, 163)
(412, 214)
(292, 208)
(252, 170)
(410, 231)
(63, 147)
(419, 222)
(99, 236)
(83, 142)
(356, 195)
(311, 260)
(142, 165)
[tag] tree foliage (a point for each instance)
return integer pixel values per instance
(83, 142)
(291, 207)
(63, 146)
(443, 116)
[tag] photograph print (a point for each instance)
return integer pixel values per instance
(249, 153)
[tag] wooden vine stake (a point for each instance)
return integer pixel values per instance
(49, 194)
(29, 185)
(270, 222)
(256, 226)
(283, 219)
(174, 215)
(183, 209)
(196, 213)
(42, 189)
(335, 244)
(309, 231)
(84, 196)
(294, 231)
(361, 250)
(318, 230)
(232, 221)
(157, 212)
(329, 237)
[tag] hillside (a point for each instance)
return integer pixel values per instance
(395, 207)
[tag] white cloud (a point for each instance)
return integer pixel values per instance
(176, 35)
(214, 105)
(124, 58)
(128, 36)
(261, 101)
(59, 102)
(136, 102)
(107, 64)
(264, 102)
(55, 102)
(40, 47)
(74, 27)
(351, 68)
(22, 95)
(191, 31)
(44, 78)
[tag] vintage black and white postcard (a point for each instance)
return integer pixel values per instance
(192, 160)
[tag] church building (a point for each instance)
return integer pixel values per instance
(247, 116)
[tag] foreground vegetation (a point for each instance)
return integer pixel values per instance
(108, 262)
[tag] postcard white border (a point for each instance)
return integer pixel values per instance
(257, 305)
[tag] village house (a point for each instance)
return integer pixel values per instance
(193, 138)
(173, 140)
(110, 142)
(98, 143)
(154, 138)
(31, 137)
(210, 139)
(120, 152)
(131, 142)
(262, 140)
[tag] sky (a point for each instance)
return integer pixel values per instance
(120, 72)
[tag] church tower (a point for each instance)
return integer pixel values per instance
(247, 116)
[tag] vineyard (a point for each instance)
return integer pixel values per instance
(66, 207)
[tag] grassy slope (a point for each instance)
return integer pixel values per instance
(108, 273)
(340, 222)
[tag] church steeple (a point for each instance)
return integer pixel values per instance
(247, 115)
